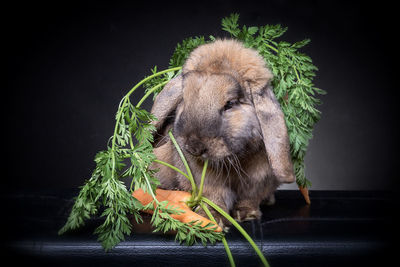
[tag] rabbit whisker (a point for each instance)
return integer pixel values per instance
(225, 167)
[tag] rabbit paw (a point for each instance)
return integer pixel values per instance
(242, 214)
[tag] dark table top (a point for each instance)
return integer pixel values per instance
(339, 228)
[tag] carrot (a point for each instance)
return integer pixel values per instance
(176, 199)
(304, 192)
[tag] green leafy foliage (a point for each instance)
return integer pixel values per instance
(292, 84)
(187, 233)
(84, 206)
(129, 156)
(157, 80)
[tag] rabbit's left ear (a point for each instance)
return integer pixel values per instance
(274, 132)
(164, 108)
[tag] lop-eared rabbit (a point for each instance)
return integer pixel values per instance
(222, 108)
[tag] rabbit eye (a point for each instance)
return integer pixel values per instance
(230, 104)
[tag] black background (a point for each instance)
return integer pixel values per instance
(68, 64)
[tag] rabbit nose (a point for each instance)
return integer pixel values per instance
(195, 147)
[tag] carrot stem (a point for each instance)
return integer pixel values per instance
(149, 93)
(203, 175)
(241, 230)
(191, 179)
(172, 167)
(227, 249)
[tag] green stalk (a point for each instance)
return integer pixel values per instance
(271, 47)
(150, 189)
(151, 77)
(227, 249)
(121, 105)
(203, 175)
(126, 97)
(241, 230)
(297, 74)
(149, 92)
(172, 167)
(190, 176)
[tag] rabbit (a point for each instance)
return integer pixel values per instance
(222, 108)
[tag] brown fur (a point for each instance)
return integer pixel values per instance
(246, 142)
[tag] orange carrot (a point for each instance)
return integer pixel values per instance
(304, 192)
(176, 199)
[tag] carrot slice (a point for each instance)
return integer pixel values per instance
(176, 199)
(304, 192)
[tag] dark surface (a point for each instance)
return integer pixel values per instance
(344, 228)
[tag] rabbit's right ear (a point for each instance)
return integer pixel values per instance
(165, 105)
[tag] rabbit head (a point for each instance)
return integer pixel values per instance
(216, 118)
(222, 105)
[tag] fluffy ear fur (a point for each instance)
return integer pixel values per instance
(274, 132)
(248, 67)
(164, 108)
